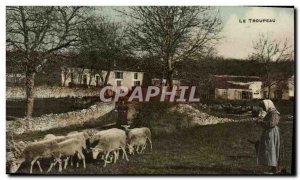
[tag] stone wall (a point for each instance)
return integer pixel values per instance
(200, 118)
(51, 92)
(51, 121)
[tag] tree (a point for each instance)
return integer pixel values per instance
(37, 33)
(173, 33)
(102, 44)
(267, 51)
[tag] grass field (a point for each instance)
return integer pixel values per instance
(213, 149)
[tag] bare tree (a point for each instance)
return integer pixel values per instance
(37, 33)
(102, 43)
(267, 51)
(173, 33)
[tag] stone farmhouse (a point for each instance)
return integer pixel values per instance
(88, 77)
(231, 87)
(236, 87)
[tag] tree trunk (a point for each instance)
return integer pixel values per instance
(90, 81)
(106, 77)
(269, 92)
(65, 79)
(170, 78)
(169, 72)
(101, 77)
(268, 80)
(29, 93)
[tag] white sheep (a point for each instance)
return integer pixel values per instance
(52, 136)
(138, 137)
(82, 136)
(137, 141)
(110, 142)
(97, 134)
(35, 151)
(69, 148)
(91, 132)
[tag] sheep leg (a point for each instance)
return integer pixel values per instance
(111, 158)
(115, 159)
(32, 163)
(51, 166)
(38, 163)
(144, 146)
(137, 149)
(124, 152)
(105, 160)
(141, 150)
(82, 158)
(123, 156)
(71, 160)
(133, 150)
(79, 158)
(59, 163)
(117, 154)
(150, 142)
(66, 162)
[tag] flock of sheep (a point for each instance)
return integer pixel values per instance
(59, 149)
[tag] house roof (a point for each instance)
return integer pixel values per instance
(237, 78)
(232, 82)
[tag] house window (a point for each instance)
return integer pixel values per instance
(137, 83)
(119, 75)
(225, 93)
(136, 76)
(246, 95)
(119, 83)
(84, 79)
(97, 80)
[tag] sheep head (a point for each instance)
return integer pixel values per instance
(126, 127)
(15, 164)
(95, 151)
(131, 149)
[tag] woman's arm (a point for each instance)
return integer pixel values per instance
(270, 121)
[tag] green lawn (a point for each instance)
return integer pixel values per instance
(213, 149)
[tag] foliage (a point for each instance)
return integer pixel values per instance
(157, 116)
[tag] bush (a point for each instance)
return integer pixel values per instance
(158, 117)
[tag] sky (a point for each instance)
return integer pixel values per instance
(238, 38)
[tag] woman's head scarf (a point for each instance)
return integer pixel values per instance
(269, 105)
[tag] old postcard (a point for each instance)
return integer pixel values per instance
(150, 90)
